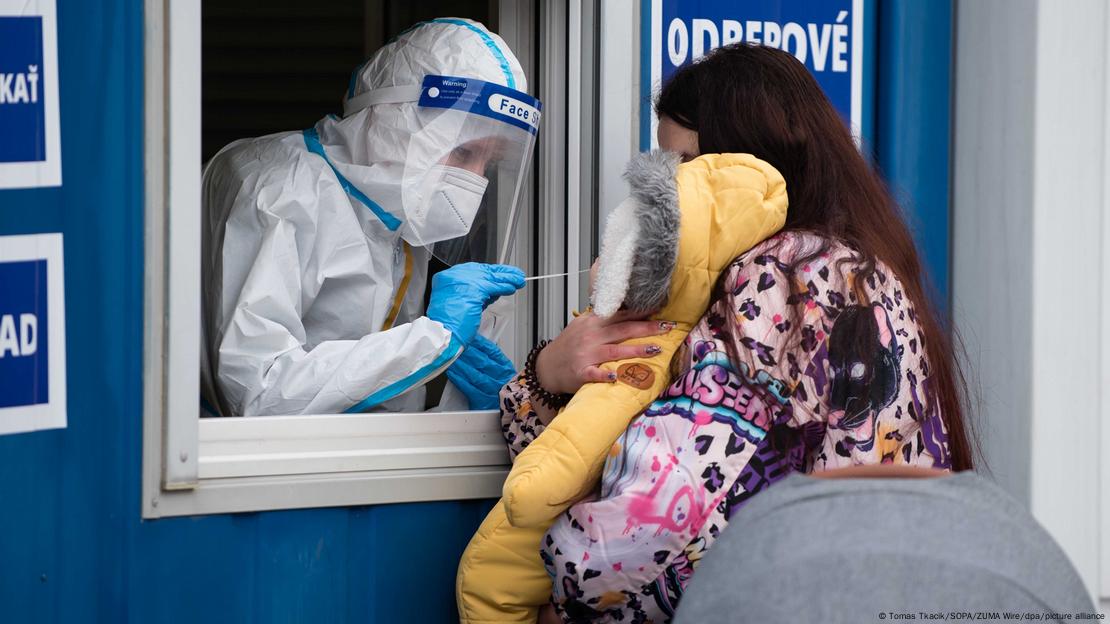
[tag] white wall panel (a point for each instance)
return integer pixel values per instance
(1028, 254)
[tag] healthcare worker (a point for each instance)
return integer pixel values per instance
(317, 243)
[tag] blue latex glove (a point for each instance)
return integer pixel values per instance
(460, 293)
(480, 372)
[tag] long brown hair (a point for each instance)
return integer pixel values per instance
(759, 100)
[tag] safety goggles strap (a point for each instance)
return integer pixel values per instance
(385, 95)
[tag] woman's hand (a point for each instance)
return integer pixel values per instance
(572, 359)
(549, 616)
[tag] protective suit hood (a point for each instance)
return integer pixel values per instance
(392, 146)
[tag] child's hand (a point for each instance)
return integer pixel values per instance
(572, 359)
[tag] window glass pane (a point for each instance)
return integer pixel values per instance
(274, 66)
(283, 65)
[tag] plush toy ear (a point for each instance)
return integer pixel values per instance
(640, 247)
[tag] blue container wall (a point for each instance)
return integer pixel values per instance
(72, 545)
(913, 123)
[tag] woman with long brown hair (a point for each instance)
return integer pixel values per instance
(821, 350)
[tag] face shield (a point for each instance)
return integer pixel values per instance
(465, 168)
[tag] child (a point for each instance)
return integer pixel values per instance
(663, 250)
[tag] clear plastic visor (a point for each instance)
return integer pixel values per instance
(466, 168)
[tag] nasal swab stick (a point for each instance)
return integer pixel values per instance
(540, 277)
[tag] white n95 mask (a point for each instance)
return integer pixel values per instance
(449, 200)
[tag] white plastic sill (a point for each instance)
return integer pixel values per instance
(292, 445)
(290, 462)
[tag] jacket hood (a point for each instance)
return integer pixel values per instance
(681, 226)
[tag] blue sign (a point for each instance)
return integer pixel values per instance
(24, 334)
(825, 35)
(22, 93)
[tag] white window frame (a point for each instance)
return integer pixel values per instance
(201, 466)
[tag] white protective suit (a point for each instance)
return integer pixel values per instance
(313, 303)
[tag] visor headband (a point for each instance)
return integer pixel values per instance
(385, 95)
(486, 99)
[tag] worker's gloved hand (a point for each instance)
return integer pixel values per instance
(480, 372)
(460, 293)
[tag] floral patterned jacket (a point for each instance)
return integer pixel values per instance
(782, 374)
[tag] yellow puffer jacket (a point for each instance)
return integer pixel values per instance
(664, 249)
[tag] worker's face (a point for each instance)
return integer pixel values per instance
(477, 155)
(678, 139)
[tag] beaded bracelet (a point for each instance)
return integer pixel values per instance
(532, 382)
